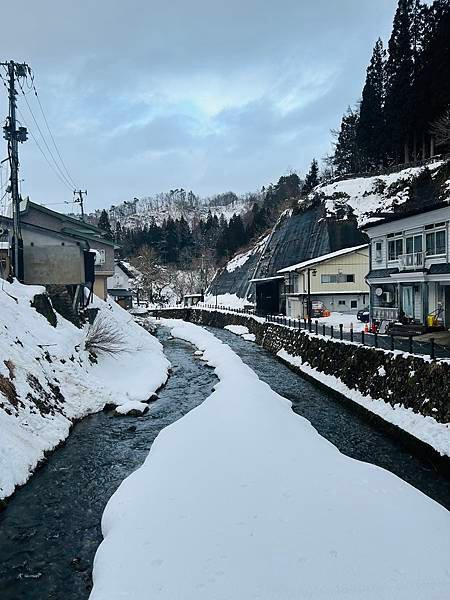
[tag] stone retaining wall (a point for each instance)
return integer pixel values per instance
(395, 377)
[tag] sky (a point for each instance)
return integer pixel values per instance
(145, 96)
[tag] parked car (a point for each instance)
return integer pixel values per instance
(363, 315)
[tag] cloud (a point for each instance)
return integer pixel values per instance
(149, 95)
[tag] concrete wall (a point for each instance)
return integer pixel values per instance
(53, 265)
(100, 286)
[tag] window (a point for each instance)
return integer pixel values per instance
(436, 243)
(378, 251)
(341, 302)
(328, 279)
(338, 278)
(413, 244)
(395, 248)
(353, 303)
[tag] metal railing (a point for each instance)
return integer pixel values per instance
(411, 261)
(385, 313)
(389, 342)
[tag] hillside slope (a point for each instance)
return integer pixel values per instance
(48, 380)
(329, 220)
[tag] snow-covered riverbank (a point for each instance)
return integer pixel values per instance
(242, 499)
(47, 380)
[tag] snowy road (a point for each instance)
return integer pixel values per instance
(243, 499)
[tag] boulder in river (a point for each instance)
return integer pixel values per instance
(132, 409)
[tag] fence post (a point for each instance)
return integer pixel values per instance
(351, 332)
(411, 344)
(304, 319)
(432, 349)
(341, 332)
(317, 326)
(289, 322)
(362, 338)
(332, 331)
(375, 339)
(323, 329)
(392, 343)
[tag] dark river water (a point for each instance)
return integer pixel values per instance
(51, 528)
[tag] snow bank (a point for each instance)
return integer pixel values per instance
(338, 318)
(132, 407)
(47, 380)
(427, 429)
(242, 499)
(228, 300)
(242, 331)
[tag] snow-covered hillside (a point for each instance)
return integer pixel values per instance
(369, 197)
(48, 380)
(146, 210)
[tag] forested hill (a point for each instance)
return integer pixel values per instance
(328, 219)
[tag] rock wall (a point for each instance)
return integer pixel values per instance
(397, 378)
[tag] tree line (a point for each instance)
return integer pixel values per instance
(216, 239)
(404, 111)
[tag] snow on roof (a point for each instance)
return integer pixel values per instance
(259, 279)
(323, 258)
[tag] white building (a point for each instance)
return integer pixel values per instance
(120, 285)
(336, 279)
(409, 267)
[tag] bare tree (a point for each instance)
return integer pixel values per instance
(153, 277)
(441, 128)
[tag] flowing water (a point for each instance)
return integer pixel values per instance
(51, 528)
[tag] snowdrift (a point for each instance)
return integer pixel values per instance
(242, 498)
(47, 379)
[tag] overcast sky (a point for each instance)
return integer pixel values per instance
(144, 96)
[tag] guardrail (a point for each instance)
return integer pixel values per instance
(375, 340)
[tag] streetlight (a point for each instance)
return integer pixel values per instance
(308, 302)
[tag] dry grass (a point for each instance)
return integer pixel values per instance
(104, 337)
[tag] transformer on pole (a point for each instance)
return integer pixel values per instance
(13, 135)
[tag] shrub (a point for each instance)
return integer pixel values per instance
(104, 337)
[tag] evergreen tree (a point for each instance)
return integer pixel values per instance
(370, 130)
(401, 66)
(312, 177)
(105, 225)
(346, 155)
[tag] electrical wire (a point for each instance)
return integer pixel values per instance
(63, 181)
(69, 176)
(44, 140)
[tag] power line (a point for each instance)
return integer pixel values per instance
(63, 181)
(50, 133)
(63, 176)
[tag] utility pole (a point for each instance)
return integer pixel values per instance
(80, 200)
(13, 135)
